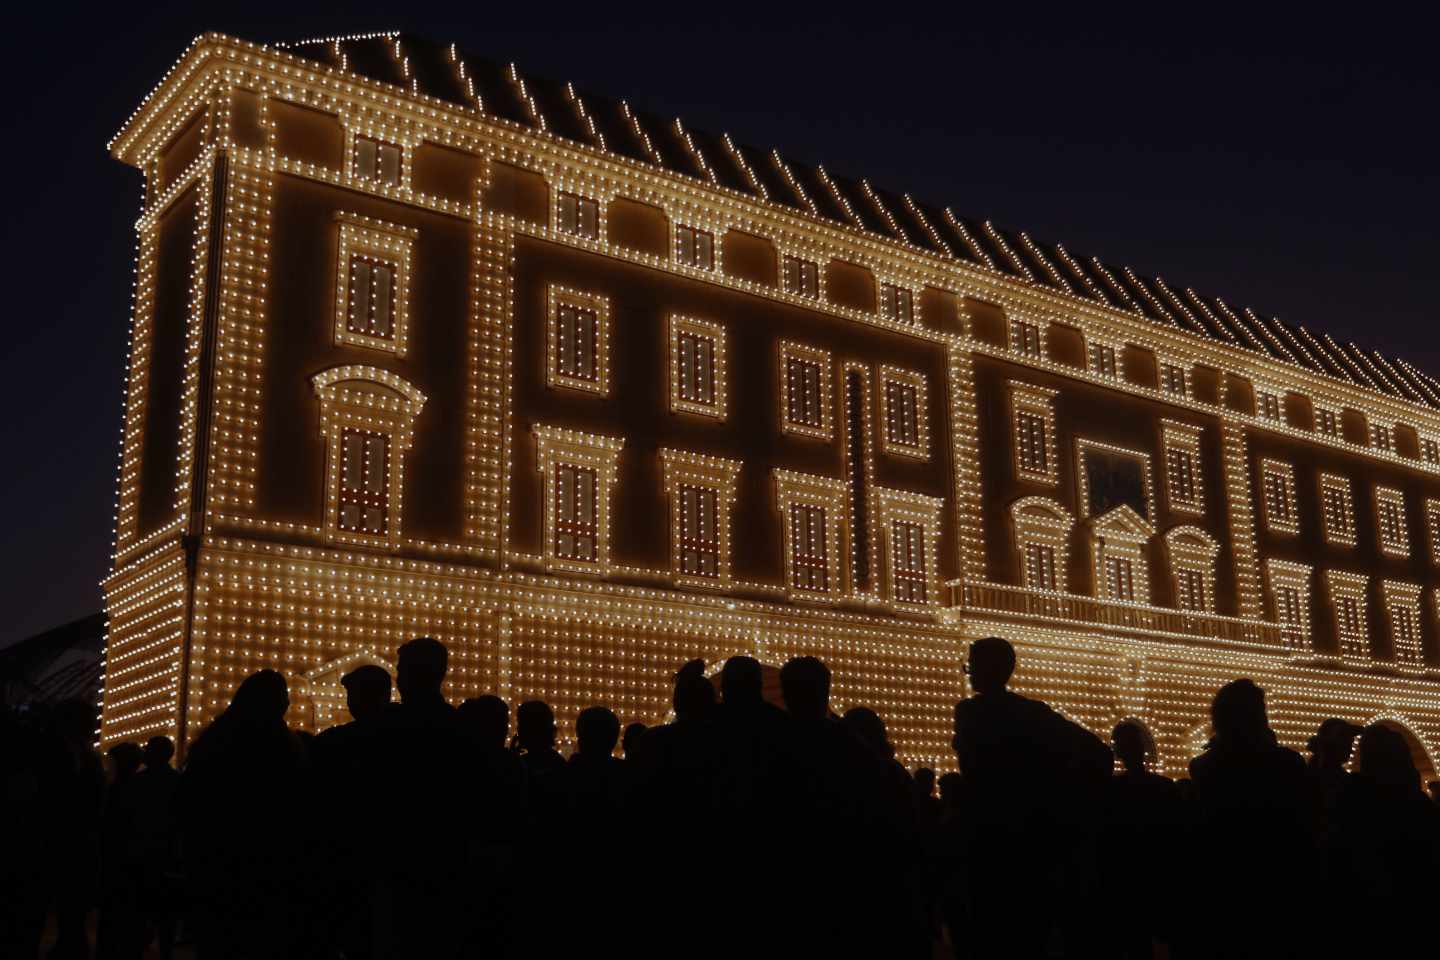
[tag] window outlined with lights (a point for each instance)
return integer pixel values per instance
(812, 511)
(904, 413)
(1337, 509)
(1034, 453)
(1102, 359)
(910, 534)
(896, 302)
(1042, 529)
(1269, 403)
(1184, 478)
(1027, 338)
(701, 490)
(1277, 497)
(1174, 379)
(1429, 450)
(1391, 530)
(1402, 609)
(367, 420)
(578, 215)
(1382, 435)
(1432, 527)
(800, 276)
(577, 340)
(372, 284)
(577, 474)
(1192, 566)
(694, 246)
(1118, 539)
(1327, 420)
(1348, 599)
(1290, 598)
(373, 158)
(805, 402)
(698, 382)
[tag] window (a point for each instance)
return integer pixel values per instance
(577, 471)
(811, 508)
(1430, 450)
(578, 216)
(1381, 437)
(1042, 535)
(577, 341)
(364, 481)
(1432, 524)
(1117, 543)
(1182, 466)
(1032, 416)
(897, 303)
(1025, 338)
(911, 528)
(377, 160)
(1347, 595)
(372, 284)
(1192, 561)
(1119, 579)
(701, 490)
(1390, 522)
(1172, 379)
(1268, 405)
(367, 418)
(1337, 510)
(1327, 422)
(697, 367)
(1102, 360)
(1402, 606)
(800, 277)
(694, 247)
(903, 413)
(1277, 493)
(804, 390)
(1290, 594)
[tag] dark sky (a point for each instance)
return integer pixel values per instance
(1281, 164)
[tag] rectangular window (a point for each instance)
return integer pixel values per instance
(1390, 521)
(1277, 492)
(1336, 510)
(1430, 450)
(1380, 437)
(364, 481)
(1031, 443)
(371, 311)
(1119, 578)
(907, 540)
(1407, 632)
(699, 531)
(1180, 471)
(808, 555)
(1190, 589)
(577, 215)
(575, 513)
(577, 331)
(1040, 566)
(1287, 605)
(1432, 522)
(902, 415)
(896, 303)
(801, 277)
(377, 160)
(1025, 338)
(695, 248)
(695, 374)
(1350, 622)
(1267, 406)
(1327, 422)
(1172, 379)
(1102, 360)
(803, 378)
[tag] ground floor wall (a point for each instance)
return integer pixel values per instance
(315, 614)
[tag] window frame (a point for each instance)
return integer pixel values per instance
(1192, 550)
(1037, 401)
(790, 350)
(799, 289)
(555, 446)
(1107, 352)
(1289, 524)
(1382, 431)
(377, 240)
(909, 316)
(353, 136)
(1165, 365)
(1343, 584)
(1120, 533)
(1041, 521)
(1328, 421)
(1289, 575)
(679, 325)
(558, 296)
(1334, 482)
(920, 449)
(1432, 527)
(679, 230)
(1176, 436)
(685, 468)
(904, 507)
(557, 214)
(1400, 545)
(792, 489)
(1262, 409)
(1401, 597)
(1024, 326)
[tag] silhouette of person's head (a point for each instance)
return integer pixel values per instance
(633, 733)
(805, 681)
(124, 760)
(950, 789)
(486, 719)
(262, 699)
(1132, 746)
(741, 681)
(535, 726)
(1238, 712)
(367, 691)
(597, 730)
(158, 751)
(1333, 743)
(925, 781)
(420, 667)
(1384, 756)
(990, 664)
(694, 694)
(865, 724)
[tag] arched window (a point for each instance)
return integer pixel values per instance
(367, 417)
(1042, 538)
(1192, 566)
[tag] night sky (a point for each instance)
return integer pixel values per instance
(1288, 166)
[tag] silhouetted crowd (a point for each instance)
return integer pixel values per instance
(421, 829)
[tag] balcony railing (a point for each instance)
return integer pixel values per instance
(1071, 609)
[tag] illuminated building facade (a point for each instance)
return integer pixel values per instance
(422, 345)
